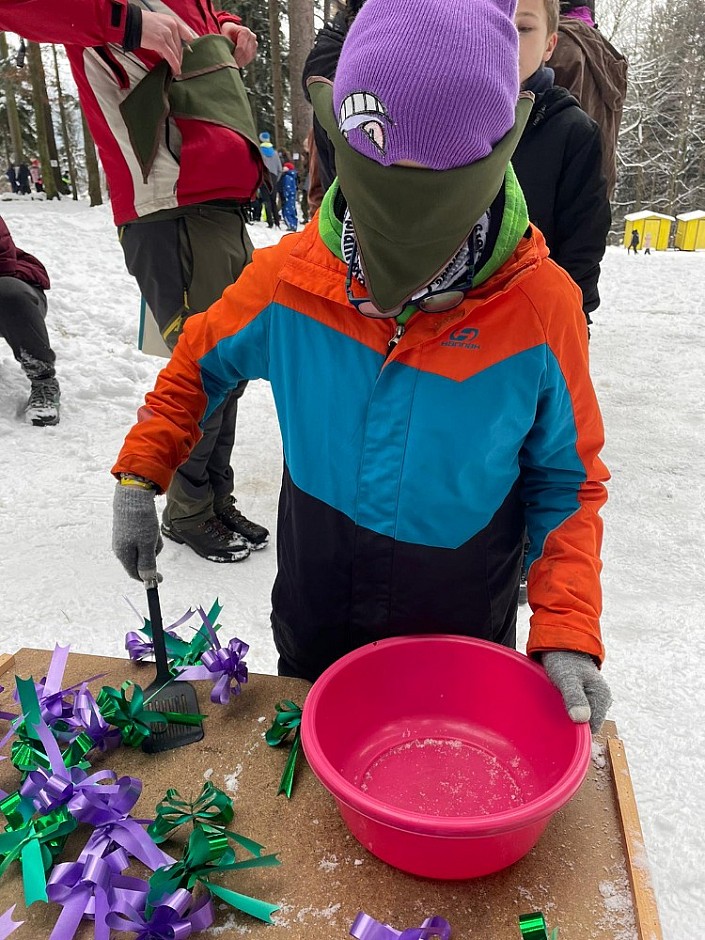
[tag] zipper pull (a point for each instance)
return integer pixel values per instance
(401, 329)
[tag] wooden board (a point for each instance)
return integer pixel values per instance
(578, 874)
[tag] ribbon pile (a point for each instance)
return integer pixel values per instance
(202, 658)
(531, 926)
(53, 736)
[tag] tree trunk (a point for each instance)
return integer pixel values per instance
(13, 117)
(326, 10)
(277, 83)
(65, 127)
(41, 110)
(300, 43)
(92, 168)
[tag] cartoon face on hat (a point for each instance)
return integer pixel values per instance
(396, 99)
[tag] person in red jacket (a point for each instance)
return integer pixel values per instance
(182, 161)
(23, 308)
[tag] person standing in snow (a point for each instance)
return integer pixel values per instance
(647, 243)
(429, 364)
(558, 159)
(289, 188)
(23, 310)
(594, 72)
(180, 176)
(268, 193)
(633, 242)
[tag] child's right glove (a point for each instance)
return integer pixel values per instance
(585, 693)
(136, 537)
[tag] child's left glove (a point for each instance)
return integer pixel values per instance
(585, 693)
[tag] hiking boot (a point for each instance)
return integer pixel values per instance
(210, 539)
(255, 536)
(42, 408)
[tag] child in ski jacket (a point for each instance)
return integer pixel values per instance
(429, 365)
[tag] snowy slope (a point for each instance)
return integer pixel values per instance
(59, 580)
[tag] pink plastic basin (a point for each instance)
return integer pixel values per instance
(447, 756)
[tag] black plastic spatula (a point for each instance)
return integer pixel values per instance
(167, 694)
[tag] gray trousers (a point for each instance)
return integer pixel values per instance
(23, 309)
(182, 261)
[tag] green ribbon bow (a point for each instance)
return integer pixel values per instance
(208, 854)
(27, 752)
(130, 716)
(181, 653)
(288, 719)
(211, 810)
(533, 927)
(37, 843)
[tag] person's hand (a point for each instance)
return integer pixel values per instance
(585, 693)
(136, 537)
(244, 40)
(166, 36)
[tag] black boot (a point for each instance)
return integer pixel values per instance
(256, 536)
(210, 539)
(42, 408)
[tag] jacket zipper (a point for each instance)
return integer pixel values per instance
(393, 342)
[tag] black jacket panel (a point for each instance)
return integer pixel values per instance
(558, 164)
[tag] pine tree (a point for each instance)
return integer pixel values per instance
(300, 43)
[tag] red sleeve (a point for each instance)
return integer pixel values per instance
(8, 252)
(79, 22)
(227, 18)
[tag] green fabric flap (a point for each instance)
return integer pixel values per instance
(406, 220)
(210, 88)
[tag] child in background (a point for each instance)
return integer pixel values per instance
(289, 189)
(429, 365)
(634, 241)
(559, 157)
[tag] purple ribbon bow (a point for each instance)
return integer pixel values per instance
(87, 719)
(57, 704)
(176, 917)
(130, 835)
(7, 924)
(367, 928)
(83, 795)
(83, 889)
(225, 665)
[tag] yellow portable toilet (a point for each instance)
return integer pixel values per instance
(646, 223)
(690, 232)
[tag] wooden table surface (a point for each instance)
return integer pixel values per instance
(587, 874)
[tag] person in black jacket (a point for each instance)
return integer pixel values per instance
(323, 60)
(558, 160)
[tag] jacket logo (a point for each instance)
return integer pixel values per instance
(463, 339)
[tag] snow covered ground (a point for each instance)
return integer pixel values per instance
(60, 582)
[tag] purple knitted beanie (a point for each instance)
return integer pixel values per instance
(433, 81)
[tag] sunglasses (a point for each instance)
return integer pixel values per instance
(437, 301)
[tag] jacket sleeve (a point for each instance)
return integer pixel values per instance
(79, 22)
(582, 215)
(563, 486)
(8, 252)
(215, 352)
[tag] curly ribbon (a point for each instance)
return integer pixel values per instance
(533, 927)
(130, 715)
(36, 843)
(208, 854)
(176, 917)
(212, 810)
(288, 719)
(7, 924)
(83, 890)
(224, 665)
(367, 928)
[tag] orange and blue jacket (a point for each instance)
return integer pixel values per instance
(410, 471)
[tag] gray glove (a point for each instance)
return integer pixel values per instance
(585, 693)
(136, 537)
